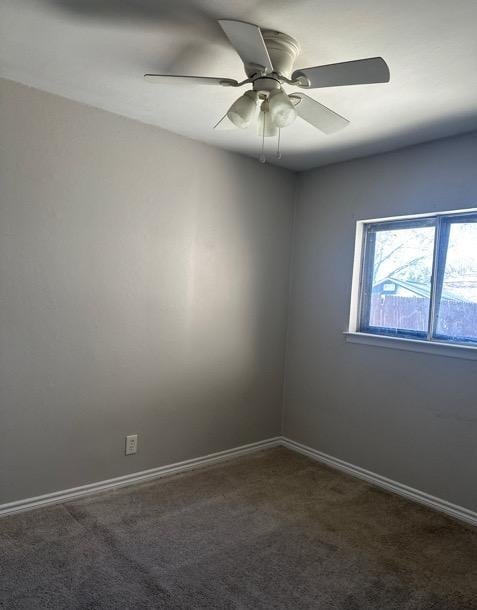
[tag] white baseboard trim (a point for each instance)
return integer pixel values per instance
(65, 495)
(453, 510)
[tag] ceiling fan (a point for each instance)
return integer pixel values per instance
(268, 58)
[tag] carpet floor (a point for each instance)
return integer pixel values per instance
(269, 530)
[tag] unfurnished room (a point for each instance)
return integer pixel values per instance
(238, 304)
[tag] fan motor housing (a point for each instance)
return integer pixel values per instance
(265, 85)
(283, 50)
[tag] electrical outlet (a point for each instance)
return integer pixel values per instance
(131, 444)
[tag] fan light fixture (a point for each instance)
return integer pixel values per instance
(282, 110)
(242, 111)
(268, 59)
(267, 128)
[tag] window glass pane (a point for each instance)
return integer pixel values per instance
(458, 305)
(401, 279)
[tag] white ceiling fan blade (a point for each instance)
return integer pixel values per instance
(177, 79)
(248, 41)
(318, 115)
(359, 72)
(225, 124)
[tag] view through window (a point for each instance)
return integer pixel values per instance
(419, 278)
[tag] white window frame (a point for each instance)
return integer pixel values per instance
(429, 343)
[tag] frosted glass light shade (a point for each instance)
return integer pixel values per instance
(243, 110)
(266, 126)
(282, 109)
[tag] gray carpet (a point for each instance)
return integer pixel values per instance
(269, 530)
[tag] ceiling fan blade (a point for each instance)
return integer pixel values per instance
(248, 41)
(318, 115)
(358, 72)
(225, 124)
(177, 79)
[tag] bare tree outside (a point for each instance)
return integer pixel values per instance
(404, 254)
(402, 276)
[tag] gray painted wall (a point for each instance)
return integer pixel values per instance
(143, 282)
(143, 288)
(409, 416)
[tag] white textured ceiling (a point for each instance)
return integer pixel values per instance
(96, 51)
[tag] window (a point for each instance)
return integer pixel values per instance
(418, 278)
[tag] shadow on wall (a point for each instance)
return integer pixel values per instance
(234, 305)
(144, 294)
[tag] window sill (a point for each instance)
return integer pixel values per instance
(436, 348)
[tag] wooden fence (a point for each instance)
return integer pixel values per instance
(456, 319)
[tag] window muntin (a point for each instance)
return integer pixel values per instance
(419, 278)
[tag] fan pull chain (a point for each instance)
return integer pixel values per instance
(262, 157)
(278, 154)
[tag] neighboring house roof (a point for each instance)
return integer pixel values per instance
(418, 288)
